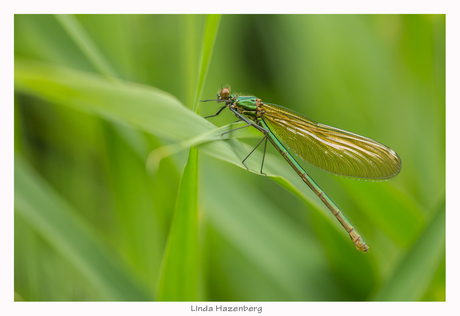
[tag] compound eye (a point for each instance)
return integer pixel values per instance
(224, 93)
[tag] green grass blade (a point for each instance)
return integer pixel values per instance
(388, 208)
(179, 275)
(210, 33)
(154, 158)
(282, 250)
(179, 272)
(56, 221)
(150, 109)
(412, 278)
(143, 107)
(91, 51)
(82, 39)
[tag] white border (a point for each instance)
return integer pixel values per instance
(269, 308)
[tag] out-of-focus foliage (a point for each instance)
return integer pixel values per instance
(96, 94)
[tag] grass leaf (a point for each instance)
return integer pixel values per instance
(76, 31)
(413, 276)
(179, 275)
(179, 272)
(54, 220)
(212, 25)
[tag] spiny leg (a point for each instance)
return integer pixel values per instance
(218, 112)
(234, 129)
(265, 138)
(263, 157)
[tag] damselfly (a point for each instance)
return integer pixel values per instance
(323, 146)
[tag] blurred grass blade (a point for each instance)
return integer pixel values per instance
(82, 39)
(51, 217)
(411, 280)
(254, 226)
(386, 202)
(154, 158)
(179, 272)
(143, 107)
(210, 33)
(148, 108)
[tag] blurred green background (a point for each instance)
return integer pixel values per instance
(96, 94)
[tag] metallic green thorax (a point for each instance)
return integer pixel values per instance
(247, 106)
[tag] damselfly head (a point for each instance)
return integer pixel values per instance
(224, 93)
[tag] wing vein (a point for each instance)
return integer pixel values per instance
(330, 148)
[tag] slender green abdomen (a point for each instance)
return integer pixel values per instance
(355, 237)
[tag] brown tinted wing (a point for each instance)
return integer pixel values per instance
(330, 148)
